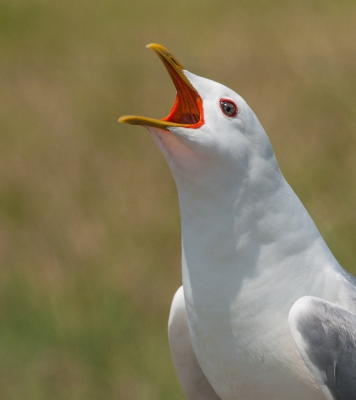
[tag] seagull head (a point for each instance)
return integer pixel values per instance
(210, 134)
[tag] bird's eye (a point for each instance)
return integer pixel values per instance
(228, 107)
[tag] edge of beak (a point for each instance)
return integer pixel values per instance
(171, 63)
(146, 121)
(181, 82)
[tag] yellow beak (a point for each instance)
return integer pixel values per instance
(187, 110)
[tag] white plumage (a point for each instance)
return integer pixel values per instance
(251, 253)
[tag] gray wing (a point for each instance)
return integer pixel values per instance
(191, 377)
(325, 335)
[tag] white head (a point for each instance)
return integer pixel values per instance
(229, 185)
(211, 139)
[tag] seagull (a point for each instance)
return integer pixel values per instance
(265, 310)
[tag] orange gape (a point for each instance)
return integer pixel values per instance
(187, 110)
(188, 105)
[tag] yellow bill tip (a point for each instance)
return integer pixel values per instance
(166, 54)
(128, 119)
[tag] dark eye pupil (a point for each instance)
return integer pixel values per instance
(228, 108)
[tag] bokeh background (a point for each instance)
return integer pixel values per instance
(89, 220)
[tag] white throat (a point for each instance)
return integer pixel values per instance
(235, 233)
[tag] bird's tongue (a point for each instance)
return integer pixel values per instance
(187, 109)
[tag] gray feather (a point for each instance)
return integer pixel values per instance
(328, 347)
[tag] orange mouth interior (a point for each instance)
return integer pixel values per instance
(188, 105)
(187, 110)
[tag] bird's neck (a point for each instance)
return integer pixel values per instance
(243, 230)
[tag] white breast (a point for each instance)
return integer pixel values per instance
(238, 319)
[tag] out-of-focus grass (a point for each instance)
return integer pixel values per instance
(89, 234)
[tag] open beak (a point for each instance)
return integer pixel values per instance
(187, 110)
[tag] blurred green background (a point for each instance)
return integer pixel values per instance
(89, 222)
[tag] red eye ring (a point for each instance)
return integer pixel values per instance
(228, 108)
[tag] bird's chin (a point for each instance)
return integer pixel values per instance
(174, 147)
